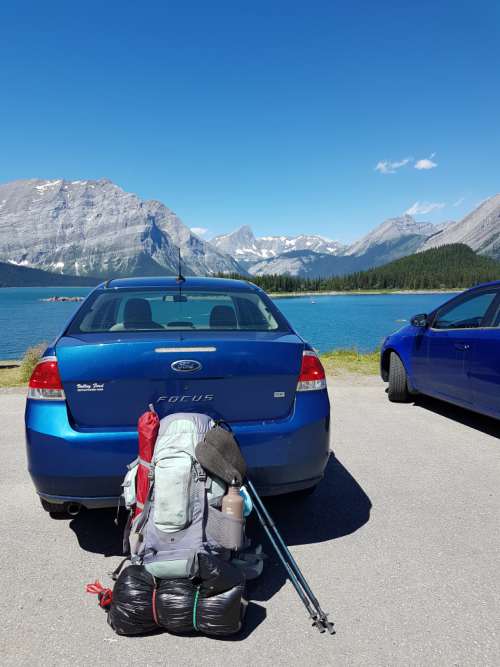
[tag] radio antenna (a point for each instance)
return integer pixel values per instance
(180, 278)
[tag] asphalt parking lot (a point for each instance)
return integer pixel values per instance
(401, 544)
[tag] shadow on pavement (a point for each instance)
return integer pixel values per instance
(338, 507)
(96, 531)
(463, 416)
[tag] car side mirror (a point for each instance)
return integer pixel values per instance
(421, 320)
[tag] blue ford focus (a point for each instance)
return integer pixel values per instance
(209, 345)
(452, 353)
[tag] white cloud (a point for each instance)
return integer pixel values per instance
(459, 202)
(424, 207)
(426, 162)
(390, 167)
(200, 231)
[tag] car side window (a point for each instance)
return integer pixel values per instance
(469, 313)
(494, 316)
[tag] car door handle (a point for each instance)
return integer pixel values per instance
(462, 346)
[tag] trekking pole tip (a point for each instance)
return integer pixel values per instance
(323, 624)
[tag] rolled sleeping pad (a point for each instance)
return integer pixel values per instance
(147, 431)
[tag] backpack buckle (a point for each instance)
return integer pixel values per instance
(201, 475)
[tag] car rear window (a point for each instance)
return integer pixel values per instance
(157, 310)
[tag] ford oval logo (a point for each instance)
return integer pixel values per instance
(185, 366)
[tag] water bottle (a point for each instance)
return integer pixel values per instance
(232, 503)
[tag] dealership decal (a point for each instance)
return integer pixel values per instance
(94, 386)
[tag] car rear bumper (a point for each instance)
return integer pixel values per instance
(87, 466)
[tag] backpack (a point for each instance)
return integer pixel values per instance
(181, 517)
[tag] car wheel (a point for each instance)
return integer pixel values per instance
(56, 510)
(398, 380)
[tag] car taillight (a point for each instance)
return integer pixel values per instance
(312, 374)
(45, 381)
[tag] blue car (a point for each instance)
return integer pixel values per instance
(452, 353)
(209, 345)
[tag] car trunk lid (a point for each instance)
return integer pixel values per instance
(109, 379)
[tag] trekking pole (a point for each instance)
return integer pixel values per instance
(286, 565)
(318, 616)
(283, 545)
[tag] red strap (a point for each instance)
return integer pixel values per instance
(104, 595)
(155, 616)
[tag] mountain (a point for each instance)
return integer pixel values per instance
(247, 248)
(392, 239)
(307, 264)
(312, 256)
(480, 230)
(95, 228)
(21, 276)
(445, 267)
(387, 238)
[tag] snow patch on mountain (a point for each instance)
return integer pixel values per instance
(243, 244)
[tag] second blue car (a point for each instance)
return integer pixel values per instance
(452, 353)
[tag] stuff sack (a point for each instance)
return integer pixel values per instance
(181, 607)
(131, 608)
(214, 603)
(174, 605)
(186, 605)
(221, 614)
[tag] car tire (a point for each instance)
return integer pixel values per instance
(56, 510)
(398, 380)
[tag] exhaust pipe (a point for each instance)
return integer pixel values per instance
(73, 508)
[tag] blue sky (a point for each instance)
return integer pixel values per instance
(274, 114)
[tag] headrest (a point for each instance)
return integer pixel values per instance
(223, 316)
(137, 311)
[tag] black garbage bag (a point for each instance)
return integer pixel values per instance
(185, 605)
(213, 603)
(221, 614)
(174, 604)
(217, 575)
(131, 609)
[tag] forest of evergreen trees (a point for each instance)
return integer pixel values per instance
(447, 267)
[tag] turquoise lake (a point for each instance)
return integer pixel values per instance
(327, 322)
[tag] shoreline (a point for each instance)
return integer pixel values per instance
(288, 295)
(276, 294)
